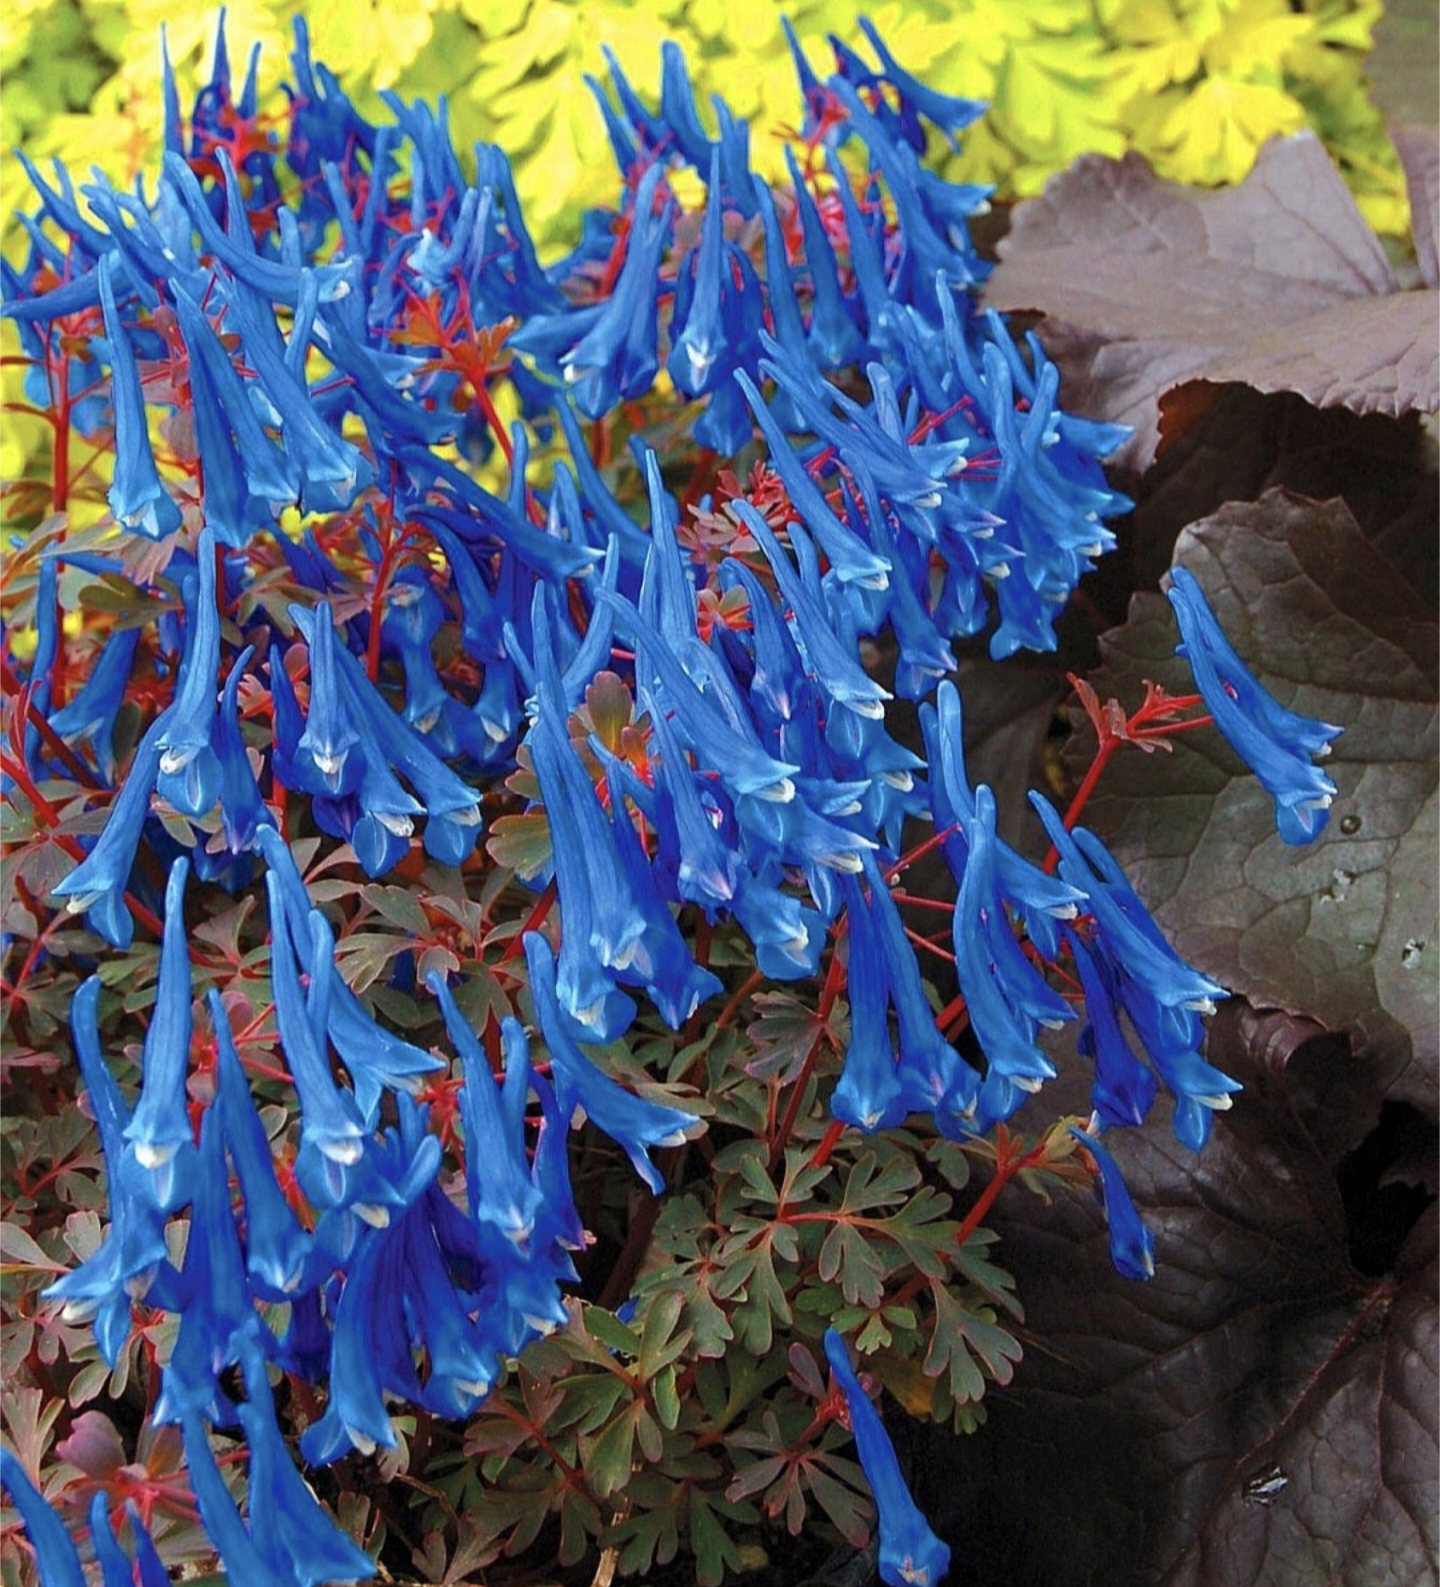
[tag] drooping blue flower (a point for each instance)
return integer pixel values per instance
(1123, 921)
(242, 809)
(617, 358)
(92, 712)
(133, 1249)
(949, 112)
(851, 558)
(276, 1247)
(189, 772)
(910, 1553)
(832, 336)
(371, 1340)
(223, 1526)
(159, 1132)
(1132, 1246)
(96, 887)
(376, 1059)
(630, 1121)
(218, 1318)
(55, 1553)
(116, 1569)
(358, 746)
(330, 1119)
(498, 1181)
(137, 496)
(837, 671)
(869, 1093)
(1277, 744)
(1006, 998)
(290, 1529)
(1123, 1089)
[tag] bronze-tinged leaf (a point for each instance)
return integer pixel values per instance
(1419, 151)
(1278, 282)
(1260, 1414)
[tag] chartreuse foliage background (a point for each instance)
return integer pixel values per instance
(1196, 86)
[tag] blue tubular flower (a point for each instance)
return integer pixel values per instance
(612, 519)
(949, 112)
(243, 470)
(850, 558)
(832, 335)
(357, 741)
(910, 1553)
(866, 261)
(329, 734)
(271, 277)
(189, 773)
(559, 1219)
(152, 1571)
(377, 1061)
(137, 497)
(936, 1079)
(1132, 1246)
(869, 1094)
(787, 325)
(1005, 995)
(1124, 922)
(1277, 744)
(134, 1245)
(370, 1344)
(223, 1526)
(697, 362)
(836, 671)
(115, 1568)
(663, 962)
(498, 1180)
(953, 806)
(276, 1247)
(677, 107)
(242, 810)
(331, 469)
(1124, 1088)
(330, 1120)
(414, 615)
(218, 1319)
(616, 359)
(705, 866)
(54, 1551)
(91, 714)
(636, 1125)
(291, 1530)
(160, 1127)
(603, 922)
(722, 742)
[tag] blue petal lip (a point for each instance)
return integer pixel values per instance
(910, 1553)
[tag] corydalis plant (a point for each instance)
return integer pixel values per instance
(361, 604)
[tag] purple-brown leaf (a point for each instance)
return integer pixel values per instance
(1278, 282)
(1343, 929)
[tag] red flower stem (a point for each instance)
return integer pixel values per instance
(57, 745)
(60, 462)
(834, 980)
(1006, 1168)
(533, 921)
(741, 995)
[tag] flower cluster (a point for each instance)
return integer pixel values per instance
(298, 359)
